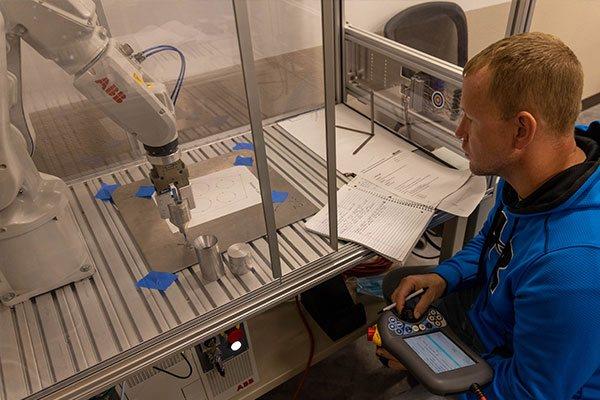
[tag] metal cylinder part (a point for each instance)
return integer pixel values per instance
(209, 258)
(240, 258)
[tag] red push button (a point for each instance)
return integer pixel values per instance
(235, 335)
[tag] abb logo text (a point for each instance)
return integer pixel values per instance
(245, 384)
(111, 89)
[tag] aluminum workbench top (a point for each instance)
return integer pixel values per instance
(77, 340)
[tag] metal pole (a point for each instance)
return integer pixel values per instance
(102, 16)
(339, 43)
(327, 23)
(527, 15)
(372, 98)
(405, 55)
(519, 19)
(512, 18)
(242, 24)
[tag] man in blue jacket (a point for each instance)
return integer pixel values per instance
(528, 285)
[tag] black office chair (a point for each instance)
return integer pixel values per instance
(438, 28)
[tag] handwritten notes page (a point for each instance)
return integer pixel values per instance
(375, 218)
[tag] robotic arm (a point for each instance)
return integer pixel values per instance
(108, 73)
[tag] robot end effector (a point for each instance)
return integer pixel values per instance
(171, 180)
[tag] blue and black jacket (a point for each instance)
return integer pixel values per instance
(538, 259)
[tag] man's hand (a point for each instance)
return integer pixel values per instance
(435, 285)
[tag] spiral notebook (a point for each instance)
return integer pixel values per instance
(375, 218)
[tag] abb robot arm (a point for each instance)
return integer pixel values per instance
(108, 73)
(41, 246)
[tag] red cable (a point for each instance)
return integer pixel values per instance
(478, 392)
(375, 266)
(312, 349)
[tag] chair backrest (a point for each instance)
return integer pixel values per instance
(438, 28)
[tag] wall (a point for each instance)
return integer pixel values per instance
(486, 25)
(576, 22)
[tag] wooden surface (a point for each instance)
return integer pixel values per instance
(166, 251)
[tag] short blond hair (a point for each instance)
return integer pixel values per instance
(533, 72)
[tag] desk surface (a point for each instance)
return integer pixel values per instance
(309, 129)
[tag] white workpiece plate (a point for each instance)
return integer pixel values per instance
(221, 193)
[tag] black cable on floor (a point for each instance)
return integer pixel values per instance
(432, 243)
(432, 233)
(426, 257)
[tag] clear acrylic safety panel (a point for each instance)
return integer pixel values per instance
(288, 55)
(57, 335)
(74, 136)
(286, 37)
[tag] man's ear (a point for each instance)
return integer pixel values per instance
(526, 125)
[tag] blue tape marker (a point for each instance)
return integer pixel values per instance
(247, 161)
(145, 192)
(105, 192)
(279, 197)
(243, 146)
(157, 280)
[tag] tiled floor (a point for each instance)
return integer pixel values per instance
(353, 373)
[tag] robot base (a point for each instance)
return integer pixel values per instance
(11, 299)
(40, 252)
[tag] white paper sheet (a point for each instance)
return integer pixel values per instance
(412, 177)
(310, 130)
(451, 158)
(464, 201)
(376, 219)
(222, 193)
